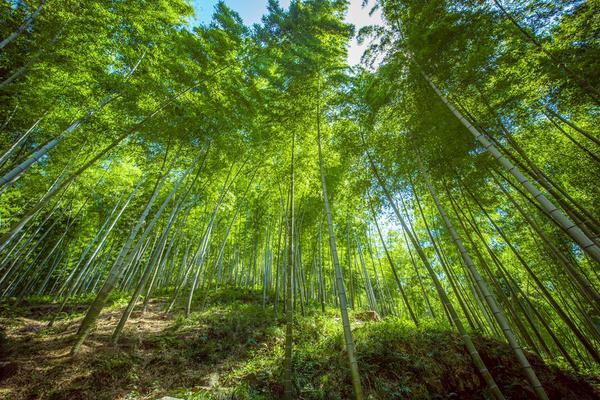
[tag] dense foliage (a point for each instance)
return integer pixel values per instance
(454, 183)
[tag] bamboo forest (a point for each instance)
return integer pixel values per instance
(207, 199)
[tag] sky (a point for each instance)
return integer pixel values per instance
(251, 12)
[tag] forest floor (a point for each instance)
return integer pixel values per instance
(232, 349)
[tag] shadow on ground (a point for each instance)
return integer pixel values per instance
(232, 349)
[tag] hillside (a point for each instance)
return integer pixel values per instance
(232, 350)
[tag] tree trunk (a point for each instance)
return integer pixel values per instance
(289, 317)
(572, 229)
(28, 21)
(487, 294)
(485, 373)
(358, 393)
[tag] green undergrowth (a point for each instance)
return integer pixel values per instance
(397, 361)
(232, 346)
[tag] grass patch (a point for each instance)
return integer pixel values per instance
(231, 347)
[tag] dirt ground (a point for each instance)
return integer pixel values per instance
(160, 355)
(36, 364)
